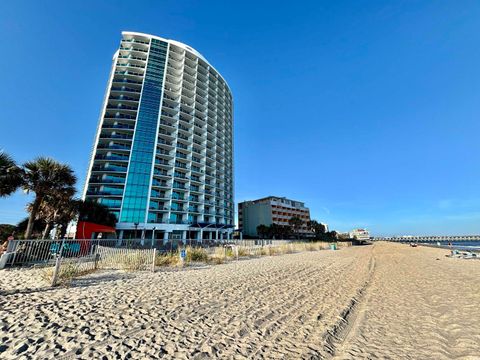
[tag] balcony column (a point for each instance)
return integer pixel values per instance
(165, 237)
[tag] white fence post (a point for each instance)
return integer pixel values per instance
(55, 271)
(153, 262)
(97, 255)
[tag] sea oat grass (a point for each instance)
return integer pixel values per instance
(243, 251)
(66, 273)
(196, 255)
(166, 260)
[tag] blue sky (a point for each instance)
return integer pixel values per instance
(366, 110)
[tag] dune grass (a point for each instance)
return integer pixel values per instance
(66, 272)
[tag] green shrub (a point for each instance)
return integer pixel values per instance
(229, 253)
(196, 255)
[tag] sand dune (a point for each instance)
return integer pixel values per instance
(382, 301)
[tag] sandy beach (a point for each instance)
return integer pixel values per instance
(381, 301)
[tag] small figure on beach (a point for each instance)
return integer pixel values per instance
(4, 245)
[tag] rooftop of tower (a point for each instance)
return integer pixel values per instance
(179, 44)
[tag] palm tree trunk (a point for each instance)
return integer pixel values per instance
(31, 218)
(63, 230)
(48, 227)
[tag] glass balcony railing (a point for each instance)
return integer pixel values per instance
(123, 88)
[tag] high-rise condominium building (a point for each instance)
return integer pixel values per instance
(163, 154)
(271, 210)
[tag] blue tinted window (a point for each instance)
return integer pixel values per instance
(138, 179)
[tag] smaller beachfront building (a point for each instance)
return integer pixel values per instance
(359, 234)
(270, 210)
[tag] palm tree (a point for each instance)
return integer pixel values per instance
(91, 211)
(61, 208)
(262, 230)
(45, 176)
(38, 227)
(317, 228)
(296, 223)
(10, 175)
(58, 208)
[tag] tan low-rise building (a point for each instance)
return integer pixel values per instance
(271, 210)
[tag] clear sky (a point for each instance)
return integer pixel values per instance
(366, 110)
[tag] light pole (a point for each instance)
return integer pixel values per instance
(153, 235)
(136, 226)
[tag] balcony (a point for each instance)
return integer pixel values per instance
(119, 116)
(182, 146)
(136, 41)
(111, 157)
(162, 162)
(116, 136)
(164, 143)
(110, 168)
(166, 123)
(157, 183)
(121, 107)
(127, 72)
(104, 193)
(98, 180)
(181, 165)
(113, 147)
(118, 126)
(124, 89)
(126, 81)
(119, 64)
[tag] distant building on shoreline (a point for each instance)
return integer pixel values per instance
(359, 234)
(270, 210)
(325, 226)
(162, 159)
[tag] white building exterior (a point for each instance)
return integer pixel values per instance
(359, 234)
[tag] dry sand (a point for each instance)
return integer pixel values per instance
(418, 305)
(382, 301)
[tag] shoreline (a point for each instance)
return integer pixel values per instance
(450, 248)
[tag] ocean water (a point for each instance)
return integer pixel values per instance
(463, 245)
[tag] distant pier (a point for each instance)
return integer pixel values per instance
(428, 238)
